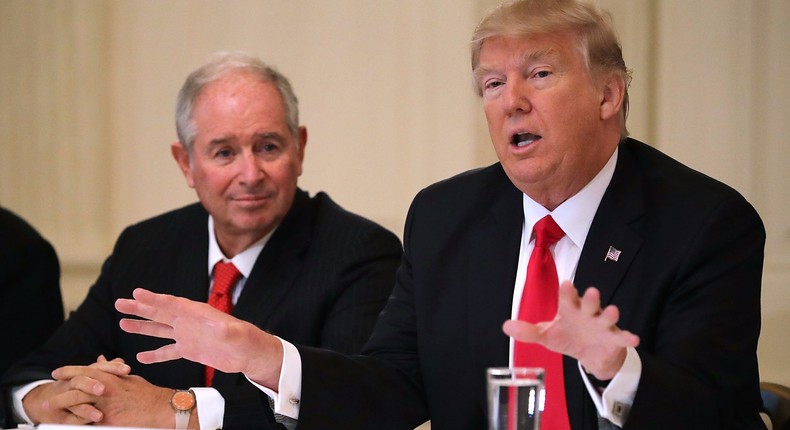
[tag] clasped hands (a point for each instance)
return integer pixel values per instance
(101, 393)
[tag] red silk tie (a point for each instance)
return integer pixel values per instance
(225, 277)
(539, 302)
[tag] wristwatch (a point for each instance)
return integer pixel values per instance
(182, 401)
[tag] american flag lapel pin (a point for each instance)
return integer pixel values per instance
(612, 254)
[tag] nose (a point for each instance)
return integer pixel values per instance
(516, 96)
(251, 169)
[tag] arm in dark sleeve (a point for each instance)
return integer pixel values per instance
(700, 371)
(382, 390)
(32, 307)
(362, 263)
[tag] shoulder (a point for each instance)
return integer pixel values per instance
(22, 240)
(15, 231)
(666, 179)
(184, 223)
(469, 185)
(672, 190)
(465, 197)
(331, 219)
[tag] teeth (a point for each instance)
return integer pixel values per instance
(523, 139)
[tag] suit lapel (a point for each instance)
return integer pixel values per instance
(277, 266)
(191, 278)
(613, 226)
(274, 272)
(493, 257)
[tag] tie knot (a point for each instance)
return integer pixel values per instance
(547, 232)
(225, 276)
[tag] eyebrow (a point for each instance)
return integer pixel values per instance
(257, 136)
(527, 58)
(539, 55)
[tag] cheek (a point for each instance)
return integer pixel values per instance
(213, 183)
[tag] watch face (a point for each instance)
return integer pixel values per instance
(183, 401)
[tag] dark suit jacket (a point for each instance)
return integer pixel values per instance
(687, 281)
(31, 307)
(321, 280)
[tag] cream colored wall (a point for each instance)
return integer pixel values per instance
(88, 87)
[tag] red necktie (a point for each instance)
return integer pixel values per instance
(225, 277)
(539, 303)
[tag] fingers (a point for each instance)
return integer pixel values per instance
(591, 302)
(116, 367)
(165, 353)
(628, 338)
(86, 413)
(103, 359)
(71, 399)
(77, 378)
(152, 306)
(148, 328)
(521, 331)
(568, 297)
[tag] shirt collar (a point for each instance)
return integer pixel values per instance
(576, 214)
(244, 261)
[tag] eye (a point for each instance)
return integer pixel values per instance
(492, 84)
(541, 74)
(224, 153)
(267, 148)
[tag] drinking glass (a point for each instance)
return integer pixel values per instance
(515, 397)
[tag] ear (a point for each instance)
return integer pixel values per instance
(181, 155)
(302, 138)
(612, 95)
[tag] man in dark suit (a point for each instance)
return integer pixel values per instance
(665, 336)
(31, 307)
(311, 272)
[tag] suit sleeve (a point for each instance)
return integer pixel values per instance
(384, 386)
(700, 371)
(363, 263)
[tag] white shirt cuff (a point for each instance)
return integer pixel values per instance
(615, 402)
(289, 388)
(18, 394)
(210, 407)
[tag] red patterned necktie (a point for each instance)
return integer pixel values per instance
(225, 277)
(539, 302)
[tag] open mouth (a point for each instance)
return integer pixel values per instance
(524, 139)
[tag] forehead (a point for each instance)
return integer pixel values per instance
(562, 47)
(238, 83)
(239, 96)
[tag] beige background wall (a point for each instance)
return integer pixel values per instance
(87, 89)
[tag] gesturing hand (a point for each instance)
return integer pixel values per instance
(581, 330)
(202, 334)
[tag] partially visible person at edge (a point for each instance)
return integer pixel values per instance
(654, 324)
(310, 272)
(31, 306)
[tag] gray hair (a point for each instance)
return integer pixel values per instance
(222, 64)
(599, 44)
